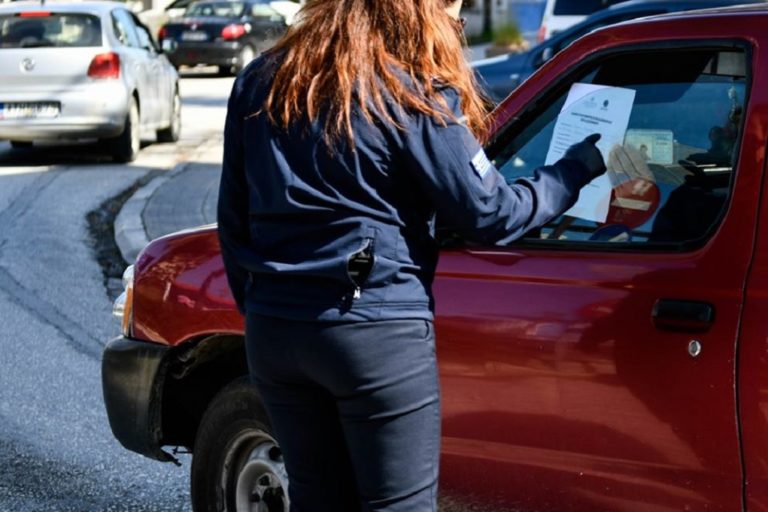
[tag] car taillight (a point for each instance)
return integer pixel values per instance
(542, 35)
(35, 14)
(105, 65)
(162, 33)
(233, 31)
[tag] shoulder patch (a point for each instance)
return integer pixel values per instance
(481, 164)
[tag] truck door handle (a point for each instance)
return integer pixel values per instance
(683, 315)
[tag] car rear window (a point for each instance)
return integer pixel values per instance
(222, 9)
(35, 29)
(580, 7)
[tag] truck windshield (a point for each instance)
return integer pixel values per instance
(34, 29)
(220, 9)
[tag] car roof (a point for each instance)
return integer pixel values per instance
(90, 6)
(681, 7)
(595, 21)
(715, 9)
(723, 22)
(643, 4)
(673, 7)
(737, 8)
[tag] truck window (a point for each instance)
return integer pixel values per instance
(671, 175)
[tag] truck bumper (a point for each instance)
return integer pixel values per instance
(133, 374)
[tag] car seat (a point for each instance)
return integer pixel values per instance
(26, 32)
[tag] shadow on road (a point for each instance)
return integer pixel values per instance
(91, 153)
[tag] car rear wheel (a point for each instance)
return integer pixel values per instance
(21, 144)
(237, 465)
(125, 146)
(172, 132)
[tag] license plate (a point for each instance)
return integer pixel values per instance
(37, 110)
(194, 35)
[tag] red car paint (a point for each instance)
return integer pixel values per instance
(559, 390)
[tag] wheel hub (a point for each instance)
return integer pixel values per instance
(262, 485)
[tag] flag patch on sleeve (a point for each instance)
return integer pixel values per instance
(481, 164)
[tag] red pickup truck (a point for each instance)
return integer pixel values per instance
(616, 365)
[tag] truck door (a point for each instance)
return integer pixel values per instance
(590, 366)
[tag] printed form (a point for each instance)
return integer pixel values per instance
(592, 109)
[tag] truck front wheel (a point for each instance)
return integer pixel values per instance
(237, 465)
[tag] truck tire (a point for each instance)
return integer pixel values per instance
(237, 465)
(125, 147)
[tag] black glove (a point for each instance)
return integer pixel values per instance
(587, 153)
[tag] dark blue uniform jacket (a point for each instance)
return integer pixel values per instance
(296, 220)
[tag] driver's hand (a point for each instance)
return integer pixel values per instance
(625, 163)
(587, 153)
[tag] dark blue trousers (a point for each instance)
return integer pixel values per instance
(355, 408)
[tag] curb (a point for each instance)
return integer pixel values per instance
(130, 235)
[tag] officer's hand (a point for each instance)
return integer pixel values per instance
(587, 153)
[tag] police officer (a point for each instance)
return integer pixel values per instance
(341, 144)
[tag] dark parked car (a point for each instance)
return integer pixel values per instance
(501, 75)
(222, 33)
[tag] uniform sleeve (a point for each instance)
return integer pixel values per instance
(232, 211)
(471, 196)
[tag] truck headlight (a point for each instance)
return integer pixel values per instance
(123, 306)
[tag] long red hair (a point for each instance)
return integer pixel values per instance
(340, 52)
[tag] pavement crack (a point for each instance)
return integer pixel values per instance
(101, 230)
(78, 338)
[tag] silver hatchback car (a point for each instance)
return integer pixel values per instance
(84, 70)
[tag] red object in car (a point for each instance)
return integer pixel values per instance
(233, 31)
(633, 203)
(162, 33)
(105, 65)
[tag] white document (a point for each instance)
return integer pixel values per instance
(592, 109)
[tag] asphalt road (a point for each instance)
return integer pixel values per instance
(57, 452)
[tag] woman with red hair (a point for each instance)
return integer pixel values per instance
(342, 144)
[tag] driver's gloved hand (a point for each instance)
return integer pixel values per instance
(587, 153)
